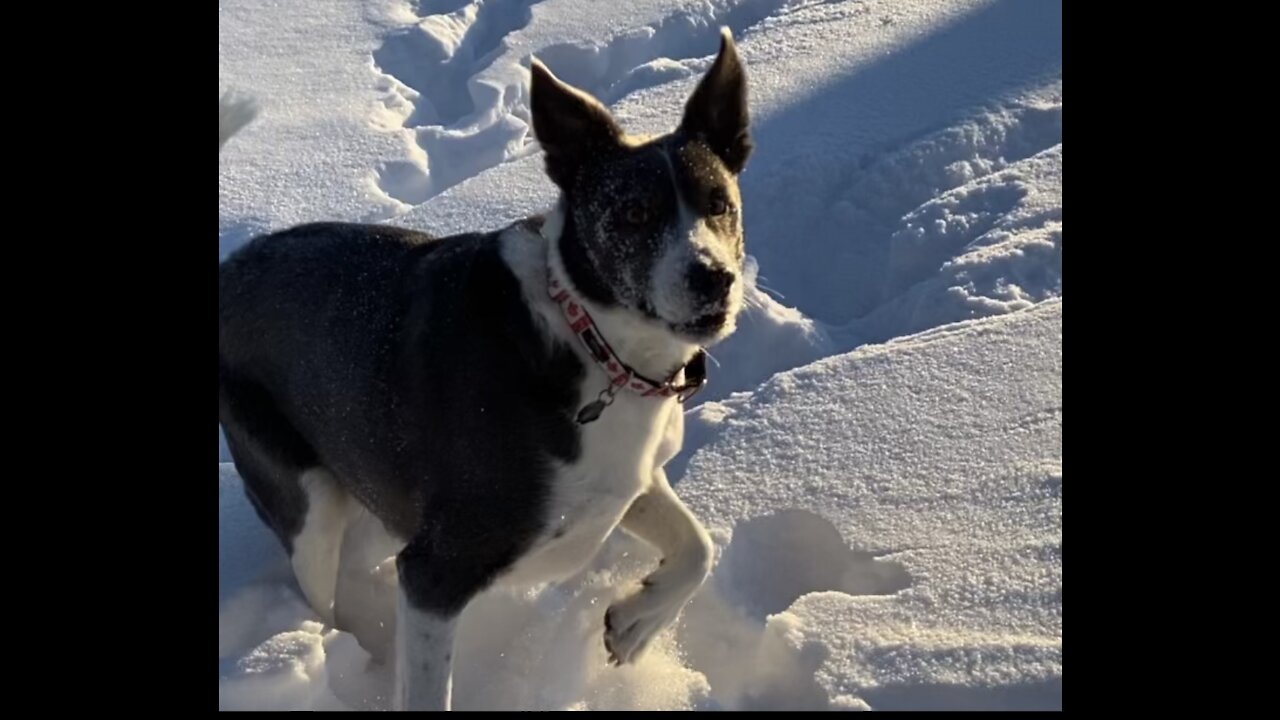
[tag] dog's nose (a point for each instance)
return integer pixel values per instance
(710, 280)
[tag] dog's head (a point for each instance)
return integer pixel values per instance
(653, 225)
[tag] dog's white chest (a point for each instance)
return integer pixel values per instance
(619, 451)
(590, 496)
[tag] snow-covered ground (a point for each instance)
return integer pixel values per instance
(879, 453)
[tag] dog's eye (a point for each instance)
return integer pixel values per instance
(718, 204)
(637, 215)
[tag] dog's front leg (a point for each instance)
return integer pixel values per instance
(659, 518)
(426, 618)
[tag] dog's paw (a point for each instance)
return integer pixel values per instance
(631, 624)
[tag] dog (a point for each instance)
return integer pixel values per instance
(487, 408)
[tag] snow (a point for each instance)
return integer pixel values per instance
(930, 466)
(878, 455)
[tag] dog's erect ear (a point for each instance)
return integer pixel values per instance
(569, 124)
(717, 111)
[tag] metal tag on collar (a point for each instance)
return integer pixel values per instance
(592, 410)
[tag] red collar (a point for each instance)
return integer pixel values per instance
(620, 374)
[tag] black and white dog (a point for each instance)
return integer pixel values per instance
(488, 407)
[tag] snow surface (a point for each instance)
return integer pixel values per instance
(879, 453)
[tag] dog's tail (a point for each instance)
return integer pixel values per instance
(234, 112)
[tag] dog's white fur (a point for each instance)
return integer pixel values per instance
(317, 549)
